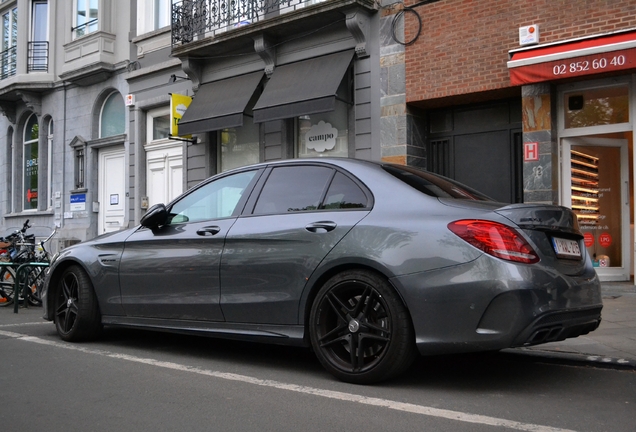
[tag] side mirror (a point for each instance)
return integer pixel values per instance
(155, 216)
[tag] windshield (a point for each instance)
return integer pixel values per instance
(433, 184)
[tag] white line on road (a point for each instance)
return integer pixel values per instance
(349, 397)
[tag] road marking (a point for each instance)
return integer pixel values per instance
(348, 397)
(23, 324)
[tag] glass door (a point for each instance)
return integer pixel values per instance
(596, 186)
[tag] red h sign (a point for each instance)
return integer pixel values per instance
(530, 151)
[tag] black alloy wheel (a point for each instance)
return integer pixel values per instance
(360, 329)
(77, 316)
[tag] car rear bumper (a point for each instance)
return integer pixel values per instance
(490, 304)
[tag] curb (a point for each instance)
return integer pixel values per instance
(576, 358)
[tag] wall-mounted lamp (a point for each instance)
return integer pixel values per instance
(174, 78)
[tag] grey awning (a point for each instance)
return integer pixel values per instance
(219, 104)
(301, 88)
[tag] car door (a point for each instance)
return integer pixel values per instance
(172, 271)
(301, 213)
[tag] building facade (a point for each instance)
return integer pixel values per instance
(529, 103)
(514, 98)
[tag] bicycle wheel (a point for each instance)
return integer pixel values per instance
(35, 280)
(7, 286)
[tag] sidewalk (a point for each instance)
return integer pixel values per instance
(613, 343)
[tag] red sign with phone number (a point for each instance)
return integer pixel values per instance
(572, 67)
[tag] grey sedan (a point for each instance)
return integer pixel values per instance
(368, 263)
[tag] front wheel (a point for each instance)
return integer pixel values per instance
(360, 329)
(77, 316)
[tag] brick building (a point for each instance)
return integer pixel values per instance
(533, 102)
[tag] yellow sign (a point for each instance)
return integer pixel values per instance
(178, 106)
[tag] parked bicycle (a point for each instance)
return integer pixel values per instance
(19, 248)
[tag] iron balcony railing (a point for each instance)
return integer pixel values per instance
(197, 19)
(8, 61)
(38, 57)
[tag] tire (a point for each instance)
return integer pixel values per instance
(35, 280)
(77, 316)
(359, 309)
(7, 286)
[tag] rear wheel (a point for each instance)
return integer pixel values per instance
(77, 316)
(360, 329)
(7, 286)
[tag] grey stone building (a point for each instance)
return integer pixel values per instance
(86, 87)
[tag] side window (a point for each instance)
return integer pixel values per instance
(217, 199)
(344, 194)
(293, 189)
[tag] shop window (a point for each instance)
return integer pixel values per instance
(239, 146)
(30, 164)
(112, 120)
(596, 107)
(326, 134)
(85, 17)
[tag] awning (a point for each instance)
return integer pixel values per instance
(301, 88)
(219, 104)
(593, 55)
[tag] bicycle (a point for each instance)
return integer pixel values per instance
(21, 248)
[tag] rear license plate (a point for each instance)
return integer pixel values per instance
(565, 248)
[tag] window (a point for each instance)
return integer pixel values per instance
(158, 124)
(154, 14)
(85, 17)
(434, 185)
(112, 120)
(30, 164)
(49, 164)
(293, 189)
(343, 193)
(39, 45)
(8, 55)
(597, 107)
(217, 199)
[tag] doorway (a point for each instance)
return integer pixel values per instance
(112, 192)
(596, 186)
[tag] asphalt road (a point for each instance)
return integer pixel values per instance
(143, 381)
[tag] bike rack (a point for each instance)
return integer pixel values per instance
(20, 273)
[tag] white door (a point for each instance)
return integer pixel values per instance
(596, 186)
(164, 172)
(112, 190)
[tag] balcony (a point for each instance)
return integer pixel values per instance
(211, 27)
(8, 62)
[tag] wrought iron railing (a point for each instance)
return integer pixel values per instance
(8, 61)
(196, 19)
(38, 57)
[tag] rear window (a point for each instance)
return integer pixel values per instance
(433, 184)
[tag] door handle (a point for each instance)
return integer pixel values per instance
(211, 230)
(321, 226)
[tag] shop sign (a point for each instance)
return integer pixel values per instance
(78, 202)
(605, 240)
(589, 239)
(178, 106)
(530, 151)
(599, 54)
(321, 137)
(577, 66)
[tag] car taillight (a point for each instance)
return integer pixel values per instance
(495, 239)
